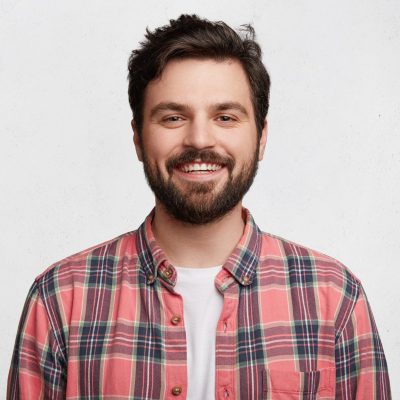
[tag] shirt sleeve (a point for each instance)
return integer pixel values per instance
(37, 368)
(361, 369)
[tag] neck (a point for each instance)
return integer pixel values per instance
(197, 246)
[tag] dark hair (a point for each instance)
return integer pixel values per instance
(192, 37)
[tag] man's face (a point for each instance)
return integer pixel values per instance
(199, 143)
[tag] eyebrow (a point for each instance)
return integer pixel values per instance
(231, 105)
(178, 107)
(168, 106)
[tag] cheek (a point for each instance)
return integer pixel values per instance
(242, 151)
(242, 140)
(160, 145)
(153, 148)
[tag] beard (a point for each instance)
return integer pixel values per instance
(198, 203)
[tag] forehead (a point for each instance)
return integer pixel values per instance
(200, 83)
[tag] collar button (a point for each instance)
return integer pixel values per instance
(168, 272)
(150, 278)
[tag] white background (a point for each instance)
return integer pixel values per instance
(329, 180)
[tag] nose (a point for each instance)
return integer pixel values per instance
(199, 135)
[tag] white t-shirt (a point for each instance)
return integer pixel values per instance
(202, 306)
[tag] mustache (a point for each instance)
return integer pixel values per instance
(204, 156)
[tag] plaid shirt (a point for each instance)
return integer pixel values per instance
(107, 324)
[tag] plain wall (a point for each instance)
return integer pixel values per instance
(329, 180)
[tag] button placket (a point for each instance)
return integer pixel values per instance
(225, 379)
(175, 340)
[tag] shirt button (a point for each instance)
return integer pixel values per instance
(176, 390)
(168, 272)
(176, 319)
(150, 278)
(246, 280)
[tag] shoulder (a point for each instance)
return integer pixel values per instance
(299, 258)
(78, 266)
(68, 288)
(305, 273)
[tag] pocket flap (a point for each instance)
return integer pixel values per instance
(308, 383)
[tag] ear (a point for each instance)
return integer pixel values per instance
(263, 141)
(137, 141)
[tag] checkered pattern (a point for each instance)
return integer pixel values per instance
(295, 325)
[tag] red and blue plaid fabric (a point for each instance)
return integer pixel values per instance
(102, 324)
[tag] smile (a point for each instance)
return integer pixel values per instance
(199, 167)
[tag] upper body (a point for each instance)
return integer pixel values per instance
(108, 322)
(103, 324)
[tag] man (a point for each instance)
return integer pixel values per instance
(198, 303)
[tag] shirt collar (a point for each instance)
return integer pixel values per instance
(241, 264)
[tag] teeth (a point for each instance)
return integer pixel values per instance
(200, 167)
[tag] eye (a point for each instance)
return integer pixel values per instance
(173, 118)
(226, 118)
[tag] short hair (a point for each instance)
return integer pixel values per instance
(190, 36)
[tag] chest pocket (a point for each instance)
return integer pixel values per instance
(294, 385)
